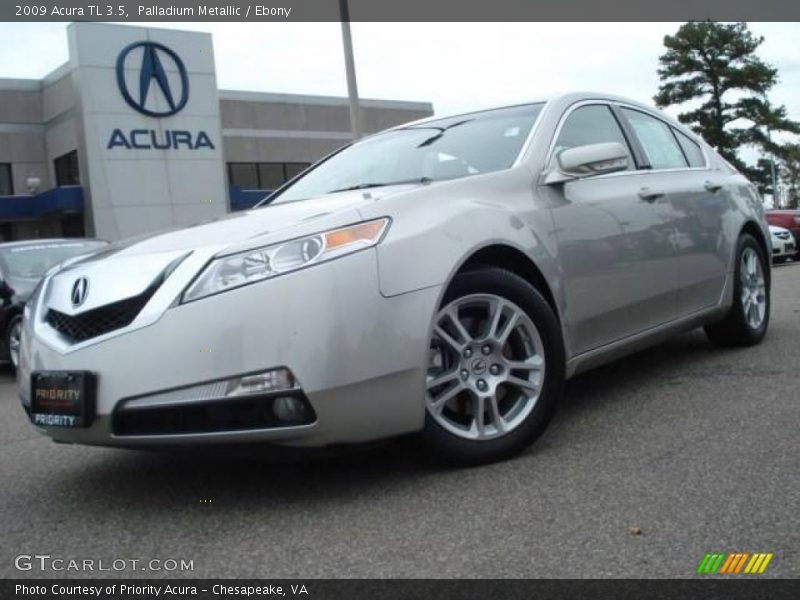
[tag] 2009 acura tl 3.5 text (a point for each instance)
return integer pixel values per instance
(442, 277)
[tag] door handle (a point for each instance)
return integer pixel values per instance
(712, 186)
(649, 195)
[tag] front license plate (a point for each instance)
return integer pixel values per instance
(62, 398)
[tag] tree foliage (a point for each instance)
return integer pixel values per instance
(790, 173)
(715, 65)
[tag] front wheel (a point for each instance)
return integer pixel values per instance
(496, 368)
(747, 320)
(13, 337)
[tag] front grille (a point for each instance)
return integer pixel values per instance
(237, 414)
(98, 321)
(102, 320)
(784, 235)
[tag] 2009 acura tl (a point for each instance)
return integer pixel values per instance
(444, 276)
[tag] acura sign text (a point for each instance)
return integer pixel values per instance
(150, 139)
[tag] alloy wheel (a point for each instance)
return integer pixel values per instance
(14, 335)
(486, 367)
(753, 291)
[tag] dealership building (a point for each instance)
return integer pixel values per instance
(132, 135)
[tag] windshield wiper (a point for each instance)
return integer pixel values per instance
(363, 186)
(440, 135)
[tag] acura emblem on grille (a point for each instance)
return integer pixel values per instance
(80, 289)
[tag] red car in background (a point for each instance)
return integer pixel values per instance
(790, 219)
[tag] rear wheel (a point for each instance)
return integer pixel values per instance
(747, 320)
(496, 368)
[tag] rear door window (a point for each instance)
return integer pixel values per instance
(659, 144)
(691, 150)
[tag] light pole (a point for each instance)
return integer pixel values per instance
(776, 199)
(350, 69)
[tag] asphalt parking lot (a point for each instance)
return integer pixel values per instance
(697, 447)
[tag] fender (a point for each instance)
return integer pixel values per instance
(457, 223)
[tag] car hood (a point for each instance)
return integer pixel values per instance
(239, 228)
(129, 267)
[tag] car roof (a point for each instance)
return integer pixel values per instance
(563, 98)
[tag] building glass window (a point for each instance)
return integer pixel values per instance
(293, 169)
(245, 175)
(6, 184)
(67, 171)
(262, 176)
(270, 176)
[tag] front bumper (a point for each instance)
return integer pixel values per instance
(796, 235)
(783, 248)
(358, 356)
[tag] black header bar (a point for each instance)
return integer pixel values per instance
(398, 10)
(406, 589)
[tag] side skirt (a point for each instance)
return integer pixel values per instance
(644, 339)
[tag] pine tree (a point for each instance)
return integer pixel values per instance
(715, 65)
(790, 173)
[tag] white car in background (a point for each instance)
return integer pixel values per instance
(783, 247)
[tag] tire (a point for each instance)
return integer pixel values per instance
(746, 323)
(780, 260)
(517, 385)
(13, 333)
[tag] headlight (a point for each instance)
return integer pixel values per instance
(237, 270)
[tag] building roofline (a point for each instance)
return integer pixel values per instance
(56, 74)
(9, 84)
(20, 84)
(275, 98)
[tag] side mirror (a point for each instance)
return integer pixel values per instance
(589, 160)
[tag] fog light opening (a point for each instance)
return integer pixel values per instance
(289, 409)
(275, 380)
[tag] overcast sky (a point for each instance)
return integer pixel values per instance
(457, 66)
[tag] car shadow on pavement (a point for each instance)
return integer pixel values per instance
(161, 482)
(669, 361)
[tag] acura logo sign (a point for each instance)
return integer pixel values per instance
(156, 61)
(80, 289)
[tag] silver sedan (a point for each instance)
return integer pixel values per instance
(444, 278)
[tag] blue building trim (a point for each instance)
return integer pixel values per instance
(67, 199)
(246, 199)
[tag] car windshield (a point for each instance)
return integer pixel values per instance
(432, 151)
(33, 261)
